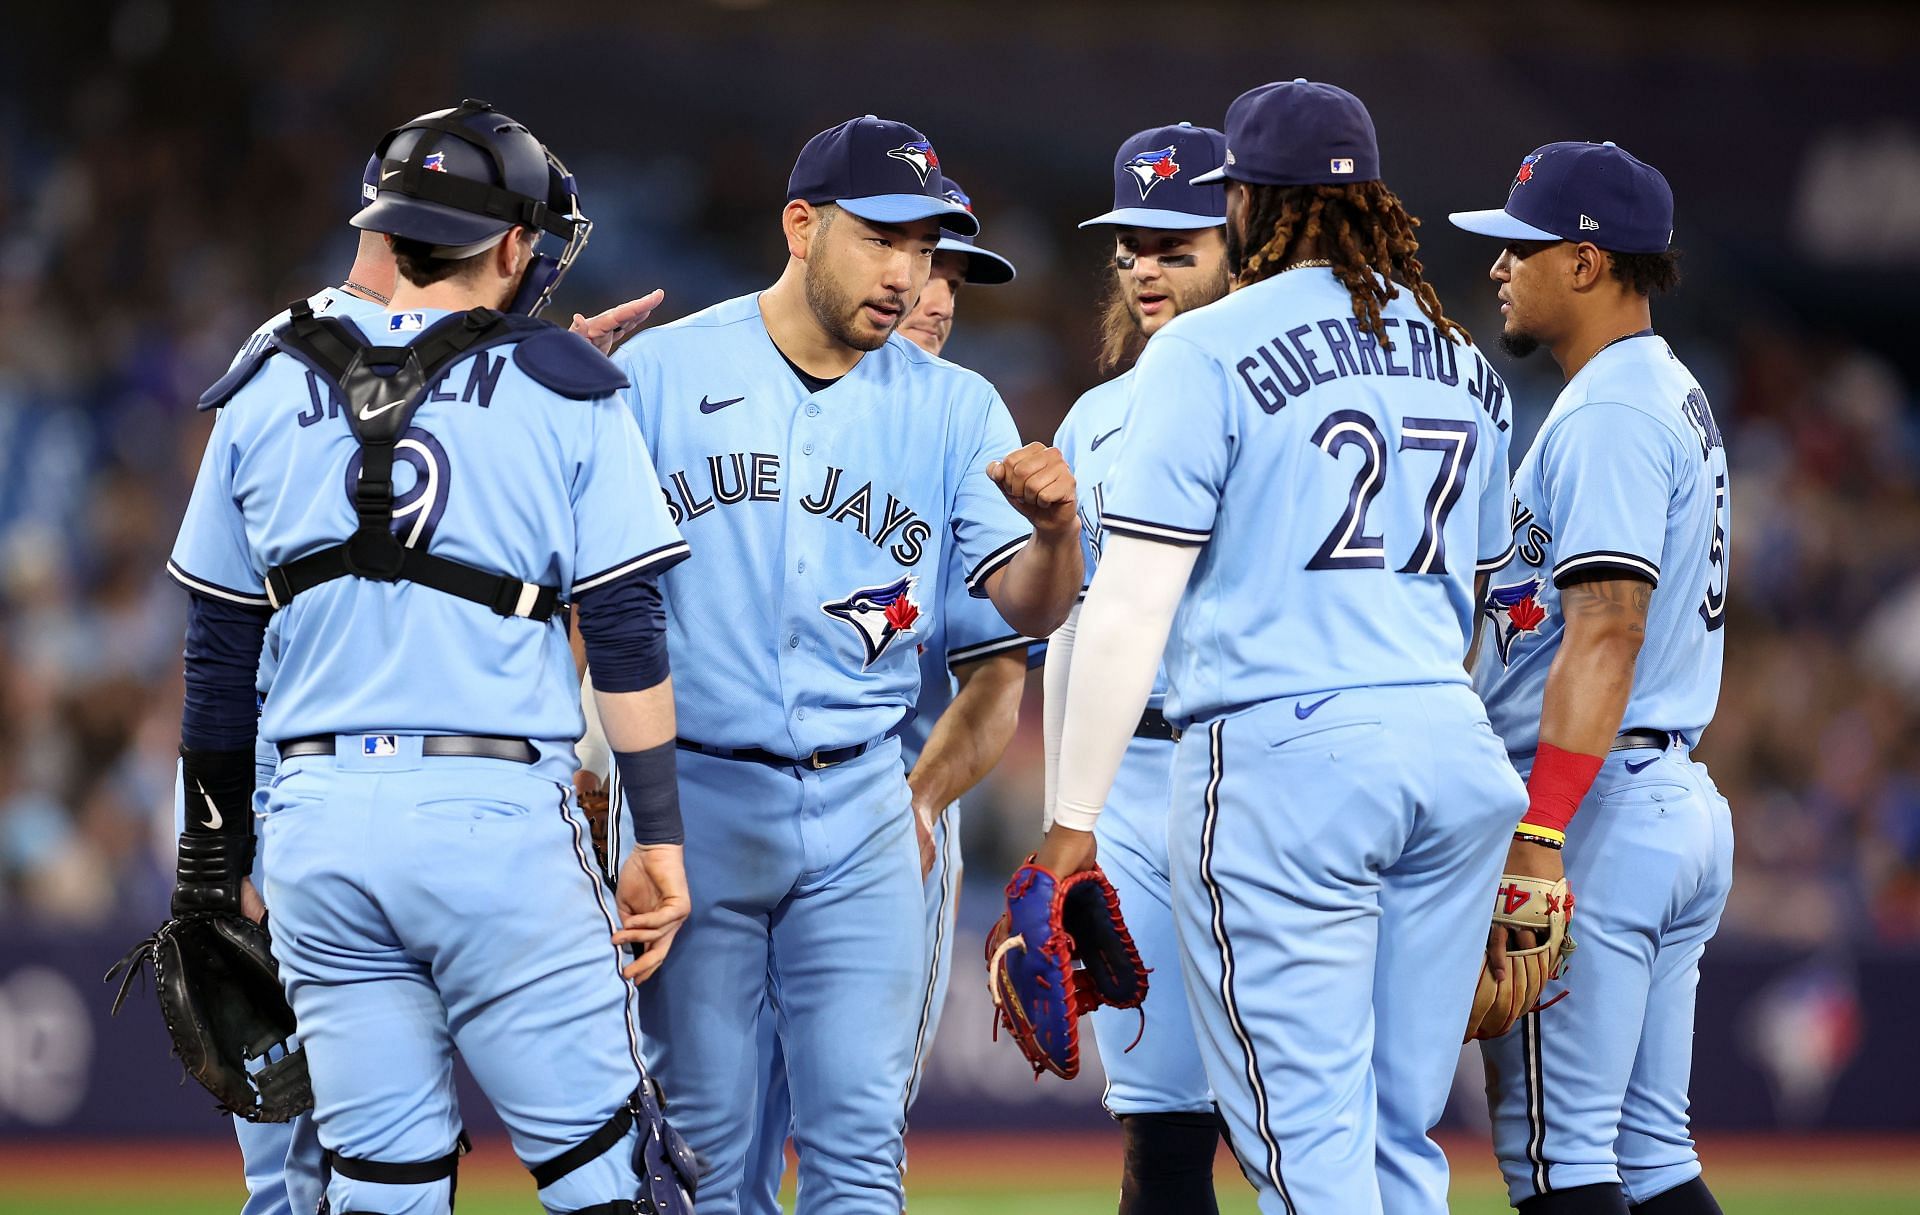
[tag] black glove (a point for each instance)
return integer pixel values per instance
(220, 996)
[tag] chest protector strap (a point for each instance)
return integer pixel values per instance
(382, 387)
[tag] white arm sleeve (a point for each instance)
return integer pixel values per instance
(1053, 705)
(1121, 633)
(595, 754)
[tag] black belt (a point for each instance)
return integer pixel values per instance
(1633, 740)
(830, 757)
(1154, 724)
(471, 746)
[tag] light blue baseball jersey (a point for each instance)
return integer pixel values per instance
(1628, 477)
(820, 521)
(1343, 493)
(341, 305)
(1089, 438)
(967, 630)
(495, 471)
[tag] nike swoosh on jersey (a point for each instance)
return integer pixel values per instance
(1641, 766)
(368, 412)
(1095, 445)
(707, 406)
(214, 821)
(1304, 711)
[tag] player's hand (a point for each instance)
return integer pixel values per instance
(614, 326)
(653, 904)
(1525, 860)
(1037, 481)
(251, 904)
(923, 822)
(592, 796)
(1066, 851)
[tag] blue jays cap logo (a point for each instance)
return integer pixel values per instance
(920, 154)
(1515, 611)
(435, 162)
(1525, 173)
(959, 199)
(1152, 168)
(878, 614)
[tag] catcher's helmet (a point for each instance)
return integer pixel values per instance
(458, 179)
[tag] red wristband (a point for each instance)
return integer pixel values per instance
(1559, 781)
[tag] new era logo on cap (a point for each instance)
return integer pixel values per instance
(1588, 225)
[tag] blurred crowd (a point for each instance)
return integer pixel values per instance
(139, 244)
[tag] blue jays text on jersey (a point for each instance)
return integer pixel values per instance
(1322, 471)
(1628, 477)
(357, 655)
(824, 516)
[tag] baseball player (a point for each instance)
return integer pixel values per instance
(1169, 257)
(1600, 672)
(422, 707)
(1310, 473)
(973, 671)
(822, 466)
(282, 1160)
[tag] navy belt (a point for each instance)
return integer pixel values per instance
(1633, 740)
(1154, 724)
(470, 746)
(827, 757)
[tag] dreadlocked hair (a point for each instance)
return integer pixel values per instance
(1362, 228)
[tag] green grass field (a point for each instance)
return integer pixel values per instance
(1066, 1175)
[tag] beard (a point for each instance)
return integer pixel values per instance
(1236, 251)
(1518, 345)
(839, 312)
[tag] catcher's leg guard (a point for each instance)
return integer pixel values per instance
(665, 1167)
(1601, 1199)
(1689, 1198)
(1169, 1164)
(401, 1173)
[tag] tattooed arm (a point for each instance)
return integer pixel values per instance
(1591, 677)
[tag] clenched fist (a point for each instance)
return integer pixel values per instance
(1038, 482)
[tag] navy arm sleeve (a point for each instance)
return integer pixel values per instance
(624, 626)
(224, 640)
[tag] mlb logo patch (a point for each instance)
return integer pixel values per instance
(1340, 164)
(379, 745)
(368, 193)
(436, 162)
(405, 322)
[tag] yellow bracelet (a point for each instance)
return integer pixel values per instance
(1534, 833)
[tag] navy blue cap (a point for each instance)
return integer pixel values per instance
(1592, 192)
(1150, 170)
(985, 268)
(1298, 133)
(882, 171)
(370, 180)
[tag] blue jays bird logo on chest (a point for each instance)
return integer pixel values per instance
(878, 614)
(1515, 611)
(1152, 168)
(919, 154)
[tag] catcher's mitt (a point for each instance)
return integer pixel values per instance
(1050, 924)
(1546, 908)
(231, 1026)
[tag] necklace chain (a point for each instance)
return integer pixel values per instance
(367, 291)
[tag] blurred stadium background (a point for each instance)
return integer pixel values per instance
(173, 172)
